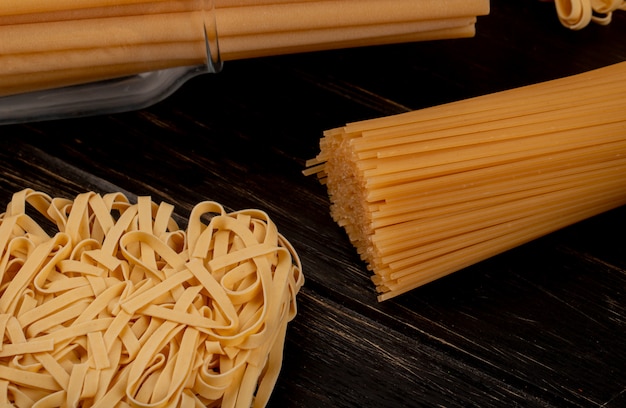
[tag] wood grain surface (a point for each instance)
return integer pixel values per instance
(543, 325)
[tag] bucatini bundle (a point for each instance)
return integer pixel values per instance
(427, 193)
(56, 43)
(111, 304)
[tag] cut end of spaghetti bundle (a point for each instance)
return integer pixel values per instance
(427, 193)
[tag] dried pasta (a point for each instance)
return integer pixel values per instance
(577, 14)
(64, 42)
(426, 193)
(105, 303)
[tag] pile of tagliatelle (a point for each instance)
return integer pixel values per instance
(119, 307)
(578, 14)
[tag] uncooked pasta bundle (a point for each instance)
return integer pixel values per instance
(577, 14)
(49, 44)
(427, 193)
(105, 303)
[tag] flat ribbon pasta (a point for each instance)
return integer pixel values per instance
(577, 14)
(106, 303)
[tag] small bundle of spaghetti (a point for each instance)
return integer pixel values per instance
(56, 43)
(109, 304)
(429, 192)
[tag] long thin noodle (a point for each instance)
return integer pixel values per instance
(115, 305)
(426, 193)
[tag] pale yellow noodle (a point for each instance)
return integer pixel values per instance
(116, 307)
(577, 14)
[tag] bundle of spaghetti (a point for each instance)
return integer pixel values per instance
(105, 303)
(52, 44)
(429, 192)
(577, 14)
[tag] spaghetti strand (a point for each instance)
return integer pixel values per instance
(424, 194)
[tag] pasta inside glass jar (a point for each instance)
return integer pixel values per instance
(69, 58)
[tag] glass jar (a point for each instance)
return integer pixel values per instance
(30, 92)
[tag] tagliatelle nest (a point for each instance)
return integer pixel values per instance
(578, 14)
(119, 307)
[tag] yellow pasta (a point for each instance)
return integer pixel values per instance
(427, 193)
(577, 14)
(105, 303)
(76, 41)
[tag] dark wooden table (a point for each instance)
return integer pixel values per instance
(541, 325)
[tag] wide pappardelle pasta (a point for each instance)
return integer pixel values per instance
(108, 303)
